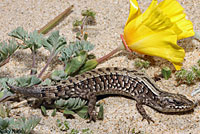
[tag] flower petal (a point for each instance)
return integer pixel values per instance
(151, 34)
(187, 29)
(161, 44)
(152, 18)
(134, 11)
(177, 16)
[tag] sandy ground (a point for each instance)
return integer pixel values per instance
(121, 115)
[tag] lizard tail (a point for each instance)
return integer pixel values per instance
(36, 91)
(26, 91)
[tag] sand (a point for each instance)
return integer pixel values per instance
(121, 115)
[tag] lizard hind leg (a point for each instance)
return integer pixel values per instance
(91, 107)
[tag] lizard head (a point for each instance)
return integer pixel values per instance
(170, 102)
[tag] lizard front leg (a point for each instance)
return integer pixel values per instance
(91, 107)
(142, 111)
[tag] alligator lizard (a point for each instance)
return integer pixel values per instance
(112, 80)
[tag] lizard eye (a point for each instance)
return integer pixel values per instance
(178, 102)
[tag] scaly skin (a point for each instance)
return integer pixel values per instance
(103, 81)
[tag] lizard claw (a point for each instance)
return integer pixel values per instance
(149, 119)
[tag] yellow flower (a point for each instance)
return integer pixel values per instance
(156, 31)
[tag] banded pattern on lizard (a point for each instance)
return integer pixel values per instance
(112, 80)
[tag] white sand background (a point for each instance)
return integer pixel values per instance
(121, 115)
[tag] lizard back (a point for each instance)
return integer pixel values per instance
(101, 81)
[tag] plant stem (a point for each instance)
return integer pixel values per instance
(48, 62)
(33, 71)
(34, 57)
(4, 62)
(102, 59)
(49, 26)
(55, 21)
(83, 23)
(121, 47)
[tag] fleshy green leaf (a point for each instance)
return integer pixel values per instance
(27, 81)
(53, 113)
(58, 123)
(196, 71)
(71, 104)
(60, 103)
(34, 41)
(47, 82)
(4, 89)
(77, 23)
(1, 94)
(66, 126)
(54, 43)
(76, 105)
(74, 48)
(3, 124)
(91, 56)
(181, 74)
(19, 33)
(74, 131)
(75, 63)
(83, 112)
(22, 81)
(89, 65)
(101, 112)
(88, 13)
(78, 34)
(43, 110)
(190, 77)
(166, 72)
(7, 49)
(58, 75)
(68, 112)
(198, 62)
(25, 125)
(140, 63)
(85, 36)
(87, 130)
(34, 80)
(185, 76)
(4, 111)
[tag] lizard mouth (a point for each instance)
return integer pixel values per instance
(182, 108)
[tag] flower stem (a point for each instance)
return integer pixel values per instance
(102, 59)
(124, 42)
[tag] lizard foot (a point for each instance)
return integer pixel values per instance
(149, 119)
(92, 115)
